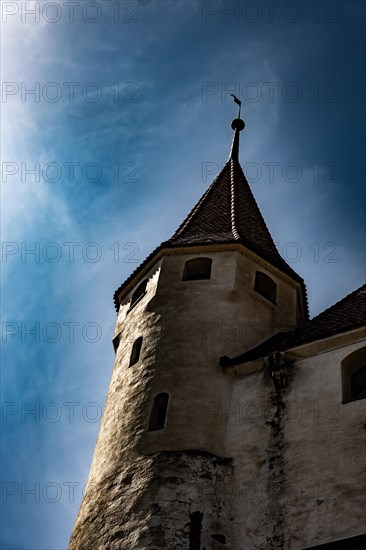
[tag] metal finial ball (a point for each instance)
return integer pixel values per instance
(238, 124)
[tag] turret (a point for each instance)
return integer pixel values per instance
(218, 285)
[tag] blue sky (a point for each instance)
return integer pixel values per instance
(114, 174)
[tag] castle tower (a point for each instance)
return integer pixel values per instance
(217, 287)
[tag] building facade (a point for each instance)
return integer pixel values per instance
(232, 419)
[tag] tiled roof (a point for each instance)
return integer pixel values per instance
(347, 314)
(226, 213)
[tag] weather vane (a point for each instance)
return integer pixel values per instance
(238, 102)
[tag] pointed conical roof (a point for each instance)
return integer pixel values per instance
(226, 213)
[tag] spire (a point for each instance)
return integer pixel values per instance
(228, 213)
(237, 125)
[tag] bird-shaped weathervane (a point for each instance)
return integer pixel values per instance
(238, 102)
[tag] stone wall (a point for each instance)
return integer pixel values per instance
(177, 501)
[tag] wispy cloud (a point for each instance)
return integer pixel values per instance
(159, 144)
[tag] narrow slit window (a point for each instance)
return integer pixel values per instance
(116, 341)
(136, 351)
(197, 269)
(265, 286)
(139, 292)
(158, 412)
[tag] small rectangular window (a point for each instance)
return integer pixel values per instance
(265, 286)
(197, 269)
(136, 351)
(138, 294)
(158, 412)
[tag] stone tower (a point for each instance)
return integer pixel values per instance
(164, 472)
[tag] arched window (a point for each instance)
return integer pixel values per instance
(139, 293)
(158, 412)
(265, 286)
(197, 269)
(136, 350)
(354, 376)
